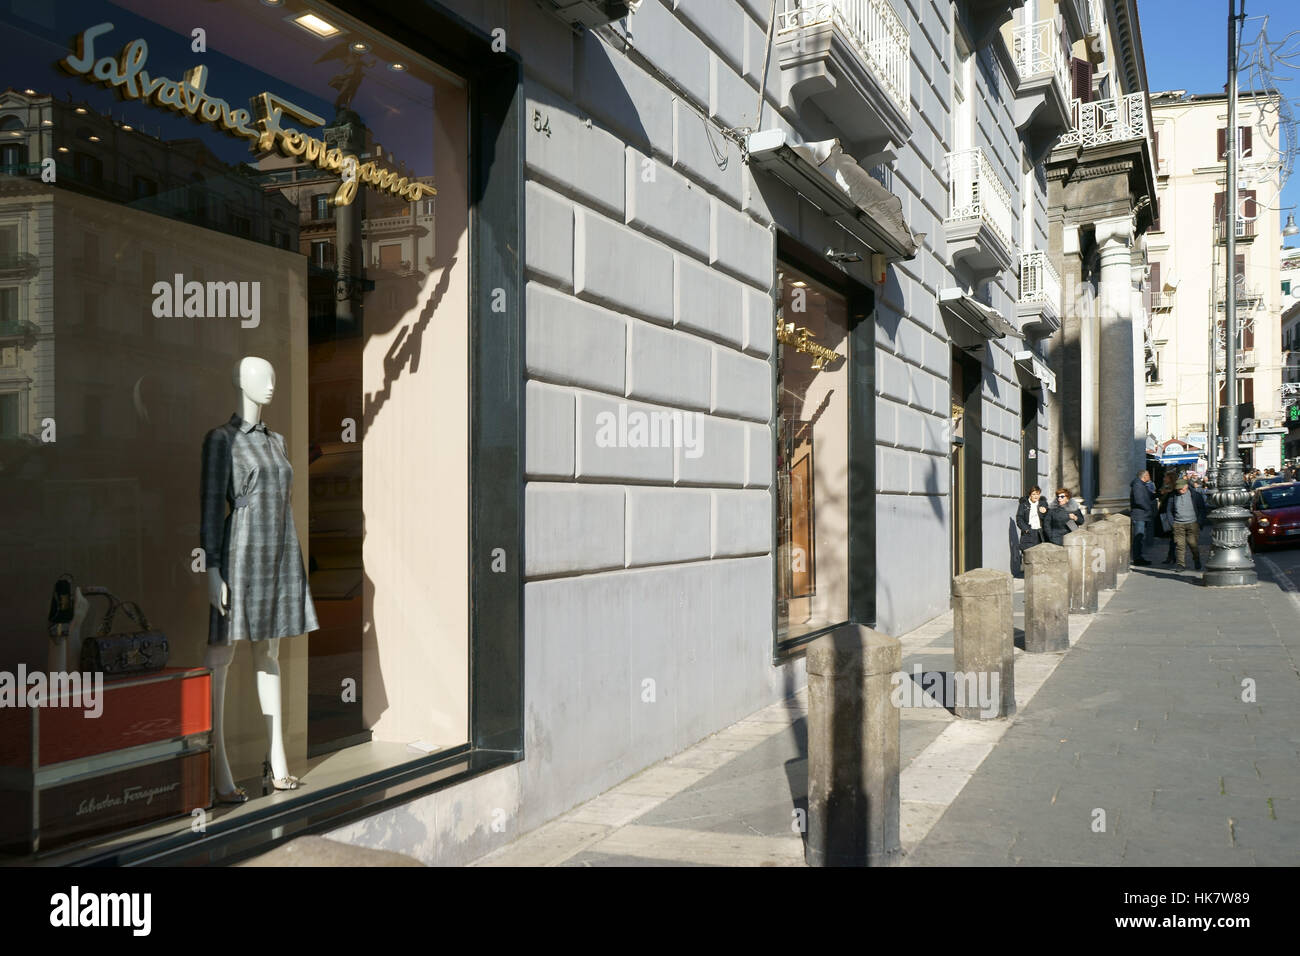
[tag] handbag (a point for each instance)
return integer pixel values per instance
(127, 652)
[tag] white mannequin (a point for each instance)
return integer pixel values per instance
(255, 379)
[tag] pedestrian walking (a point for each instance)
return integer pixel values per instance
(1186, 510)
(1142, 511)
(1029, 518)
(1062, 518)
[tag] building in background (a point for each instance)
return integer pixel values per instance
(1188, 269)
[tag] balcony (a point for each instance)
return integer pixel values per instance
(1042, 98)
(1039, 309)
(1245, 359)
(1114, 120)
(1161, 301)
(18, 332)
(18, 265)
(979, 224)
(852, 59)
(1245, 230)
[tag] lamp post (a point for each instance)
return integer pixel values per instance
(1230, 562)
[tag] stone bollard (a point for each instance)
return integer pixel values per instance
(853, 749)
(1080, 546)
(983, 643)
(1047, 599)
(1125, 525)
(1106, 551)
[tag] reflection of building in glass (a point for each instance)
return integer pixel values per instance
(103, 404)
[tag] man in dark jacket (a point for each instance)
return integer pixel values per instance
(1142, 511)
(1187, 512)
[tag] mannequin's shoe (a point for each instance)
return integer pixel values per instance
(279, 783)
(238, 795)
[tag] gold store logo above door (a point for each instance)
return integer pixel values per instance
(262, 125)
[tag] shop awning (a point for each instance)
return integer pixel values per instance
(984, 320)
(839, 187)
(1030, 364)
(1177, 458)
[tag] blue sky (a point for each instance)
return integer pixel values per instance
(1186, 44)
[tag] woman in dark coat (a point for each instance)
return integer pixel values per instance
(1056, 523)
(1029, 518)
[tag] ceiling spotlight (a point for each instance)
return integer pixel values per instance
(1291, 229)
(272, 3)
(30, 92)
(63, 149)
(81, 110)
(47, 122)
(397, 67)
(93, 139)
(315, 25)
(360, 47)
(128, 127)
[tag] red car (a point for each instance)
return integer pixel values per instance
(1275, 515)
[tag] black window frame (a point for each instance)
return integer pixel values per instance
(861, 310)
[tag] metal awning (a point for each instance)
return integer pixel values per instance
(828, 178)
(1031, 365)
(984, 320)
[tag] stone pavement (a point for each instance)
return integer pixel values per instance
(730, 799)
(1143, 727)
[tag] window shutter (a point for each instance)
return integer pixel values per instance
(1221, 144)
(1239, 267)
(1154, 287)
(1245, 140)
(1247, 391)
(1156, 284)
(1155, 146)
(1081, 79)
(1251, 210)
(1248, 340)
(1218, 207)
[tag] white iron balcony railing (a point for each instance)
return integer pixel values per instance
(872, 27)
(1040, 48)
(1107, 121)
(1039, 282)
(975, 192)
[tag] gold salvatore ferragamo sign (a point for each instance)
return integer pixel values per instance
(262, 125)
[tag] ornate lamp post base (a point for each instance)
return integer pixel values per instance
(1230, 564)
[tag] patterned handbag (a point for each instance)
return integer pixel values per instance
(135, 652)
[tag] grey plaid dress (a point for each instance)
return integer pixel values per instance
(248, 535)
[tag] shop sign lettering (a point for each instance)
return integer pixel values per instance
(262, 125)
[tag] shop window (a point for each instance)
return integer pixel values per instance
(812, 460)
(370, 408)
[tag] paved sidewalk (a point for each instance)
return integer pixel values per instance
(730, 799)
(1145, 723)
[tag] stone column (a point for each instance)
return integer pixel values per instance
(983, 644)
(1141, 317)
(1085, 557)
(1065, 358)
(853, 749)
(1047, 599)
(1115, 313)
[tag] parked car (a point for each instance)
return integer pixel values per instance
(1271, 480)
(1275, 515)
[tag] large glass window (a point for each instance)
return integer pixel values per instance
(211, 357)
(812, 456)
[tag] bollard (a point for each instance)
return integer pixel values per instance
(1047, 599)
(1106, 553)
(1080, 546)
(1125, 525)
(983, 642)
(853, 749)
